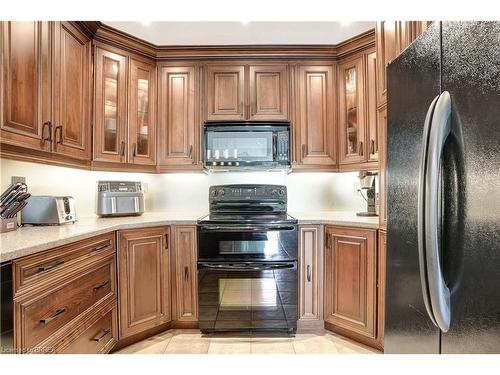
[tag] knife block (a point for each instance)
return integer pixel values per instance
(8, 225)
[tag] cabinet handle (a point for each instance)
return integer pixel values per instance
(49, 266)
(101, 285)
(166, 241)
(47, 124)
(134, 149)
(303, 151)
(308, 273)
(60, 139)
(122, 148)
(361, 148)
(372, 147)
(190, 154)
(101, 335)
(186, 273)
(56, 315)
(100, 247)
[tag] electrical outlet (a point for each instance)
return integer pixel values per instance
(16, 179)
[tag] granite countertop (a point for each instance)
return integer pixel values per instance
(30, 240)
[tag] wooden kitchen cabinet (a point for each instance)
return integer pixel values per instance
(61, 293)
(268, 92)
(226, 92)
(352, 106)
(371, 107)
(143, 279)
(179, 129)
(110, 106)
(185, 275)
(351, 283)
(72, 91)
(142, 113)
(315, 124)
(26, 82)
(247, 92)
(382, 128)
(381, 272)
(310, 277)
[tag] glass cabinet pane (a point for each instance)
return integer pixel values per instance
(110, 104)
(142, 112)
(351, 108)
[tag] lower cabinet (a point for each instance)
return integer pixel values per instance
(310, 277)
(185, 306)
(382, 251)
(351, 283)
(69, 303)
(143, 279)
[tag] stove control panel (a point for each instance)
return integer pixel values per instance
(221, 193)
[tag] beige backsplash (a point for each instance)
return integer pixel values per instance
(187, 191)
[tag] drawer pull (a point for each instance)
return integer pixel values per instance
(105, 245)
(56, 315)
(308, 273)
(186, 272)
(50, 266)
(101, 285)
(102, 334)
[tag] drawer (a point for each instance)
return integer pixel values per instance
(44, 313)
(35, 270)
(98, 338)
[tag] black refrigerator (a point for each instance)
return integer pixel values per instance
(443, 198)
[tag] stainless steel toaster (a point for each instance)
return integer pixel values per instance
(48, 210)
(120, 198)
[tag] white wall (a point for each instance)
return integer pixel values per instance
(187, 191)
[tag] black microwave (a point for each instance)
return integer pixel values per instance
(246, 145)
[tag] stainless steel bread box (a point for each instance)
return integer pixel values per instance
(120, 198)
(48, 210)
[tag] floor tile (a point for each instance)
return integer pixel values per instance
(229, 346)
(314, 344)
(187, 346)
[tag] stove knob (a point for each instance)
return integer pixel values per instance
(274, 191)
(222, 192)
(281, 192)
(214, 193)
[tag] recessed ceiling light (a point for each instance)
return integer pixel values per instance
(345, 23)
(146, 23)
(245, 22)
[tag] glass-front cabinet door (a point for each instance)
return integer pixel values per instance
(110, 141)
(141, 118)
(351, 113)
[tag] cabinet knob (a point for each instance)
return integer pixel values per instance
(308, 273)
(361, 151)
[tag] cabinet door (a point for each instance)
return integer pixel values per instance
(382, 134)
(186, 273)
(316, 122)
(142, 115)
(226, 92)
(350, 281)
(352, 111)
(110, 135)
(371, 107)
(385, 41)
(25, 84)
(269, 92)
(311, 276)
(177, 116)
(143, 279)
(381, 257)
(72, 82)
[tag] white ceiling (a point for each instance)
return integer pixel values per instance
(239, 33)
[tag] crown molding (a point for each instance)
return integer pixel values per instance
(109, 35)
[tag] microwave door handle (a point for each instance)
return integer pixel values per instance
(421, 213)
(438, 290)
(275, 147)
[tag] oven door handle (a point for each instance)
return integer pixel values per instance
(245, 267)
(247, 228)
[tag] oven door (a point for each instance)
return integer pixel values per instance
(243, 242)
(247, 296)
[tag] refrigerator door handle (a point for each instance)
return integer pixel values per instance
(438, 290)
(421, 213)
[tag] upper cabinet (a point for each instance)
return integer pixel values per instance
(315, 123)
(72, 91)
(179, 127)
(124, 113)
(371, 106)
(352, 127)
(242, 92)
(46, 98)
(268, 92)
(142, 113)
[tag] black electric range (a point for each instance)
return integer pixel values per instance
(247, 260)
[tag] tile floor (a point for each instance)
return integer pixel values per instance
(191, 341)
